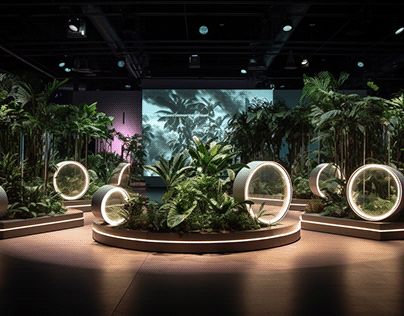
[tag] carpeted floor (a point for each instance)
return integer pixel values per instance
(67, 273)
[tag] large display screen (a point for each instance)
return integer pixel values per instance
(171, 117)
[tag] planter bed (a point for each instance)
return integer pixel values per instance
(23, 227)
(285, 233)
(353, 228)
(298, 204)
(82, 205)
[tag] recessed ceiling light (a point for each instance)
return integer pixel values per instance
(282, 86)
(128, 86)
(203, 29)
(399, 30)
(243, 71)
(74, 24)
(120, 63)
(67, 69)
(62, 64)
(360, 64)
(305, 62)
(287, 26)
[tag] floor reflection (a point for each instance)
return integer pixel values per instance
(183, 294)
(33, 288)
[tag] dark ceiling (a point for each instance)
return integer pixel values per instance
(156, 39)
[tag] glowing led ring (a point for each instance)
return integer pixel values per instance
(83, 169)
(398, 179)
(119, 173)
(314, 178)
(100, 200)
(3, 202)
(242, 183)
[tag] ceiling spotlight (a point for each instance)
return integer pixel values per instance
(399, 30)
(67, 69)
(243, 71)
(128, 86)
(203, 29)
(287, 26)
(61, 64)
(360, 64)
(120, 63)
(76, 28)
(282, 86)
(74, 24)
(305, 62)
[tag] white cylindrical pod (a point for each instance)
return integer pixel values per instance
(375, 192)
(268, 185)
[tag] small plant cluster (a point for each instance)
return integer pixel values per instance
(334, 204)
(197, 199)
(26, 199)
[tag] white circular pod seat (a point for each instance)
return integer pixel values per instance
(375, 192)
(71, 180)
(107, 204)
(321, 174)
(3, 202)
(268, 185)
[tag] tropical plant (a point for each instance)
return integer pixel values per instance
(172, 171)
(314, 206)
(258, 132)
(26, 199)
(133, 151)
(214, 159)
(196, 197)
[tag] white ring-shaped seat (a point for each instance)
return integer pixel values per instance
(107, 204)
(3, 202)
(265, 183)
(71, 173)
(375, 192)
(321, 173)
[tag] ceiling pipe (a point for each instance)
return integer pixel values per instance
(27, 62)
(296, 12)
(108, 33)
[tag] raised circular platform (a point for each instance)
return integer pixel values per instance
(288, 231)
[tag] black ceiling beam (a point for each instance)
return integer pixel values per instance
(198, 3)
(27, 62)
(224, 53)
(192, 42)
(282, 36)
(108, 33)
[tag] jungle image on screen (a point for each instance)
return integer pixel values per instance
(172, 116)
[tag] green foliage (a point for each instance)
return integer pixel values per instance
(103, 164)
(258, 132)
(35, 202)
(315, 206)
(196, 197)
(141, 214)
(133, 150)
(101, 167)
(301, 188)
(214, 159)
(335, 202)
(28, 199)
(172, 171)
